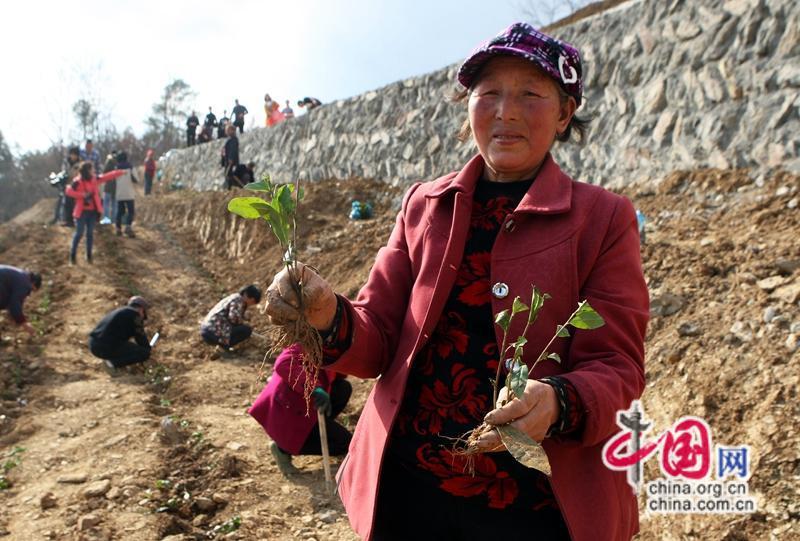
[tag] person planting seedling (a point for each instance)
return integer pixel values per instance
(463, 248)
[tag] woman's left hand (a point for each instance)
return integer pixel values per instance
(533, 413)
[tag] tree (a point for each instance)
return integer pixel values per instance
(8, 167)
(168, 115)
(87, 118)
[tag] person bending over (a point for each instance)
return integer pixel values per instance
(281, 410)
(224, 325)
(110, 339)
(15, 286)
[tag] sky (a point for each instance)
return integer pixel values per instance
(121, 53)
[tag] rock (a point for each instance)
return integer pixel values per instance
(205, 505)
(689, 329)
(769, 313)
(170, 433)
(328, 517)
(307, 520)
(783, 190)
(741, 331)
(768, 284)
(199, 520)
(97, 488)
(47, 501)
(791, 342)
(666, 305)
(73, 478)
(113, 493)
(115, 440)
(87, 522)
(789, 293)
(219, 497)
(787, 266)
(792, 204)
(236, 446)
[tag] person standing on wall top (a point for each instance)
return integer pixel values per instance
(238, 115)
(211, 119)
(149, 171)
(191, 129)
(309, 103)
(15, 286)
(223, 125)
(287, 111)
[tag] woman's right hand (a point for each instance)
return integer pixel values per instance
(319, 304)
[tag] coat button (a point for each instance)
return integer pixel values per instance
(510, 225)
(500, 290)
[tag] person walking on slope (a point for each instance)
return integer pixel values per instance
(281, 410)
(191, 129)
(224, 325)
(87, 205)
(109, 214)
(238, 113)
(149, 171)
(110, 339)
(15, 286)
(125, 196)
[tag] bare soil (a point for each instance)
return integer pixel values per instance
(88, 456)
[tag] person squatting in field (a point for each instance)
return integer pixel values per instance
(84, 190)
(15, 286)
(463, 247)
(224, 325)
(110, 339)
(282, 411)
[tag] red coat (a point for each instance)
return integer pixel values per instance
(81, 187)
(572, 240)
(281, 409)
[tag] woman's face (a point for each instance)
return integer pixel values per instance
(515, 112)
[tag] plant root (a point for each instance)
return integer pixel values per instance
(467, 446)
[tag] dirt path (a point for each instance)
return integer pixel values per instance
(96, 463)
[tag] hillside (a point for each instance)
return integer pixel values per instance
(721, 252)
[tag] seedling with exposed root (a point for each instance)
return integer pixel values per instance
(279, 210)
(521, 446)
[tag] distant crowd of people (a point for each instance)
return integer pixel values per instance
(274, 114)
(80, 203)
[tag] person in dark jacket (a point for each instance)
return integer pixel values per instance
(238, 113)
(211, 119)
(191, 129)
(110, 339)
(15, 286)
(231, 156)
(222, 125)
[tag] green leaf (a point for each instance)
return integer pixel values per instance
(586, 317)
(556, 357)
(518, 379)
(521, 341)
(503, 319)
(247, 207)
(519, 306)
(283, 196)
(263, 185)
(276, 223)
(526, 451)
(562, 331)
(537, 302)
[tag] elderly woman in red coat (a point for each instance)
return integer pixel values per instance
(463, 247)
(281, 410)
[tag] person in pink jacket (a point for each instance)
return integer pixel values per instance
(281, 410)
(463, 247)
(87, 205)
